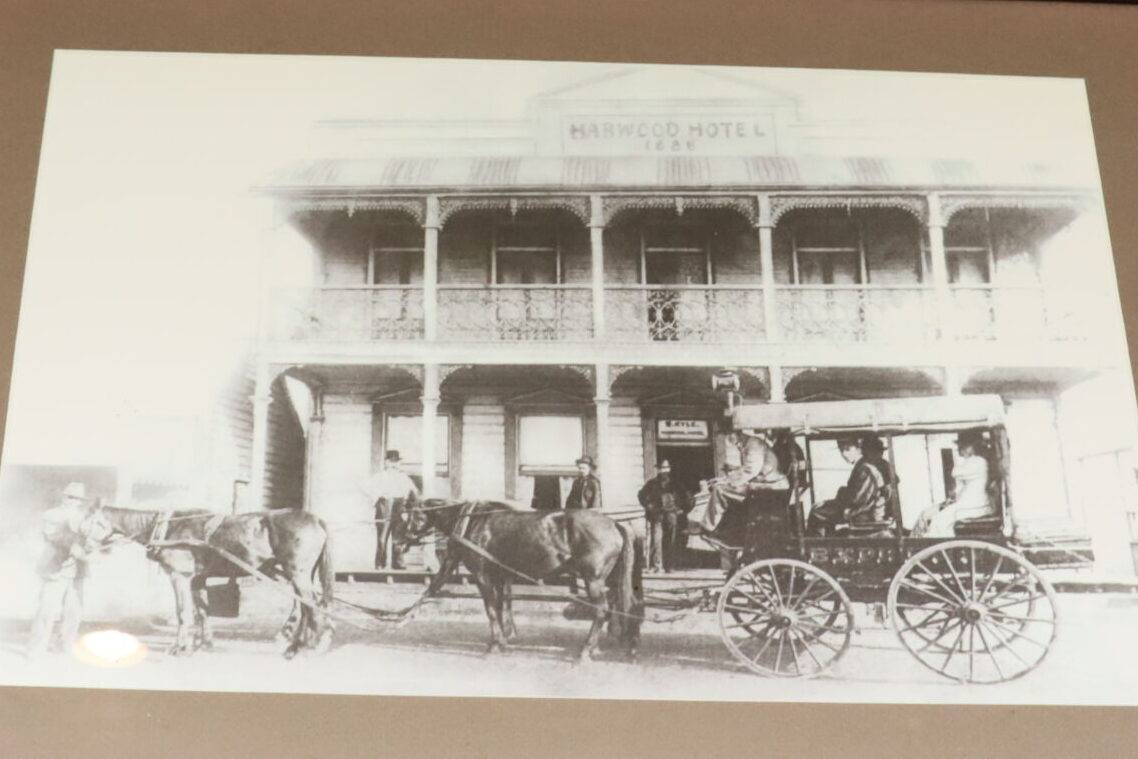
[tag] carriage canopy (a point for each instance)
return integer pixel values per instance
(878, 414)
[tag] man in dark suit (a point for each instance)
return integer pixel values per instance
(586, 490)
(662, 501)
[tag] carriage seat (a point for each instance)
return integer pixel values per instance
(992, 525)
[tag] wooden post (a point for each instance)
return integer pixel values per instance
(431, 269)
(777, 388)
(312, 444)
(260, 445)
(938, 259)
(601, 402)
(430, 403)
(766, 266)
(597, 244)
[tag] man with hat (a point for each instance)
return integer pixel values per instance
(585, 492)
(758, 470)
(389, 489)
(662, 501)
(63, 568)
(864, 498)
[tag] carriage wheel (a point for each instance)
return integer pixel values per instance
(973, 611)
(785, 618)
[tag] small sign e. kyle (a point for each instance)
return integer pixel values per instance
(681, 430)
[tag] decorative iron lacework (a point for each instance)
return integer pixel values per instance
(951, 204)
(510, 314)
(1018, 313)
(416, 208)
(338, 314)
(578, 205)
(745, 205)
(679, 314)
(856, 314)
(913, 204)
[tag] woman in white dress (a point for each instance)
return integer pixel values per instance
(970, 497)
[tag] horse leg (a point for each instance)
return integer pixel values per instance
(183, 606)
(304, 630)
(201, 613)
(490, 602)
(598, 597)
(510, 628)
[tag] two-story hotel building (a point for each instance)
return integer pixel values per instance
(495, 299)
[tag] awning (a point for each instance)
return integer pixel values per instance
(664, 173)
(879, 414)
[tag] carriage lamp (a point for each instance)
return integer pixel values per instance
(109, 648)
(725, 384)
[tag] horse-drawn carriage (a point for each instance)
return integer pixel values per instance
(973, 607)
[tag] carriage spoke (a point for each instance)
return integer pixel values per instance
(1006, 604)
(1016, 633)
(793, 649)
(805, 594)
(790, 585)
(910, 584)
(972, 573)
(946, 629)
(952, 569)
(971, 652)
(1044, 620)
(951, 593)
(774, 579)
(806, 646)
(748, 623)
(992, 656)
(762, 649)
(1010, 586)
(763, 590)
(1007, 646)
(927, 621)
(952, 649)
(991, 577)
(778, 657)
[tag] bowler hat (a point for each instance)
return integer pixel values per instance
(664, 466)
(586, 460)
(75, 490)
(391, 456)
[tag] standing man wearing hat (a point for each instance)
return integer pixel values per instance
(63, 568)
(585, 492)
(389, 489)
(662, 502)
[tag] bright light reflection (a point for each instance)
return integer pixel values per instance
(110, 648)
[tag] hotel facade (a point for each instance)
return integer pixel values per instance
(495, 299)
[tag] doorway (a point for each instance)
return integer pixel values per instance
(690, 464)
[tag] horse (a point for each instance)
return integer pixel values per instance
(539, 545)
(288, 544)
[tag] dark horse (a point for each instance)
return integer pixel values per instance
(540, 545)
(288, 544)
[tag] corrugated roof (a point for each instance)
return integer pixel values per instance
(668, 172)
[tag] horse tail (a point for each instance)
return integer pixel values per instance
(629, 576)
(325, 567)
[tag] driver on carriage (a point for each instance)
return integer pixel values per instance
(864, 499)
(759, 470)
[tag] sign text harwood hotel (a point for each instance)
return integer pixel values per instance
(672, 135)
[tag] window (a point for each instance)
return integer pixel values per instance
(968, 248)
(396, 256)
(674, 255)
(829, 252)
(549, 444)
(404, 433)
(526, 255)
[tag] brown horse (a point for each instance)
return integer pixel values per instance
(488, 536)
(287, 544)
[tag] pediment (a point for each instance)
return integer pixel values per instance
(661, 83)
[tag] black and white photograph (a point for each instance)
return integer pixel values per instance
(455, 377)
